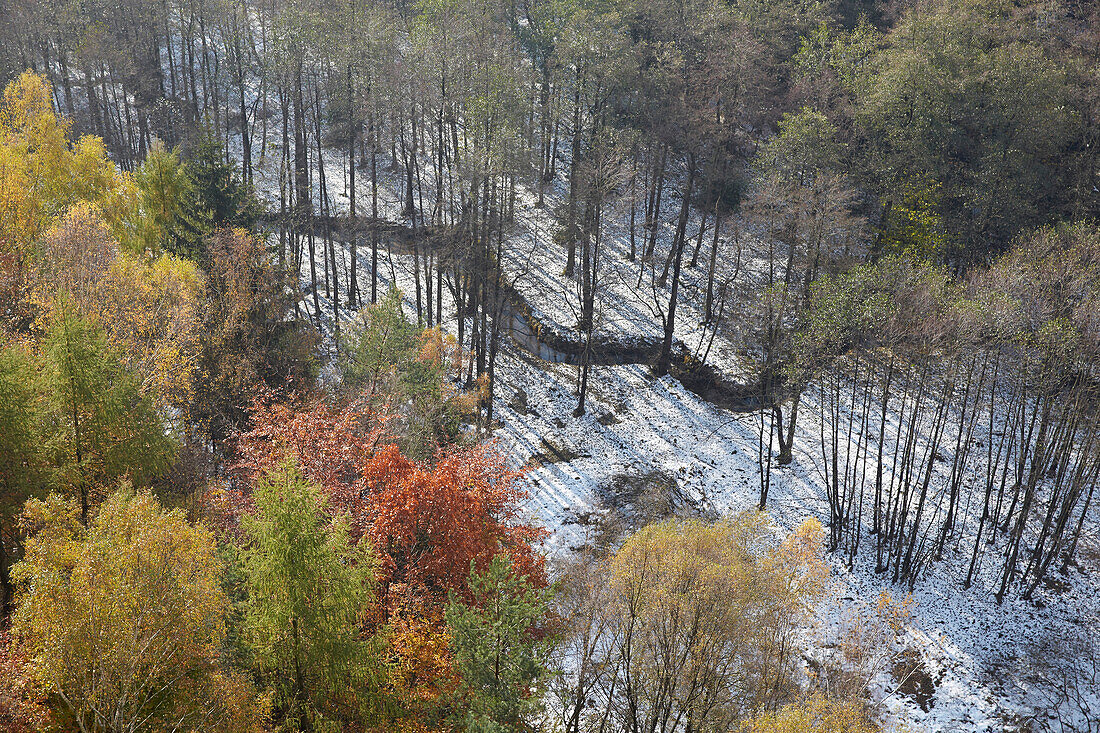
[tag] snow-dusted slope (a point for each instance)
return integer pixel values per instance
(985, 660)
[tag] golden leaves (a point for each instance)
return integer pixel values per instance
(115, 614)
(151, 309)
(706, 613)
(814, 714)
(67, 190)
(43, 173)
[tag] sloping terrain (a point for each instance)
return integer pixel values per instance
(649, 447)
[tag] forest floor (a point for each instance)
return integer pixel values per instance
(649, 445)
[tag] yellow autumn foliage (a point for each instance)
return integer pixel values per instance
(123, 620)
(43, 172)
(815, 714)
(150, 308)
(707, 612)
(50, 183)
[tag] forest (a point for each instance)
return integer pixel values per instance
(593, 366)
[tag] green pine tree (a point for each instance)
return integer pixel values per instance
(383, 343)
(22, 452)
(220, 197)
(183, 201)
(308, 587)
(498, 654)
(390, 359)
(170, 217)
(107, 428)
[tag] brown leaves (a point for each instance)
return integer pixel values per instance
(22, 701)
(433, 521)
(430, 522)
(333, 445)
(74, 255)
(250, 338)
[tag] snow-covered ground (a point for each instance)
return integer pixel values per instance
(976, 651)
(986, 660)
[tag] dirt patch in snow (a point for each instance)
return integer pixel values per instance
(914, 679)
(637, 499)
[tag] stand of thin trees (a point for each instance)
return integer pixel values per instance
(961, 418)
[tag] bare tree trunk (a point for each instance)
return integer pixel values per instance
(664, 359)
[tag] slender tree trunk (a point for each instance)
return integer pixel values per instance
(664, 359)
(373, 212)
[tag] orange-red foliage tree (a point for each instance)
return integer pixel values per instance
(428, 520)
(333, 445)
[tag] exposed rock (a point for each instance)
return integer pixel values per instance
(637, 499)
(519, 402)
(608, 419)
